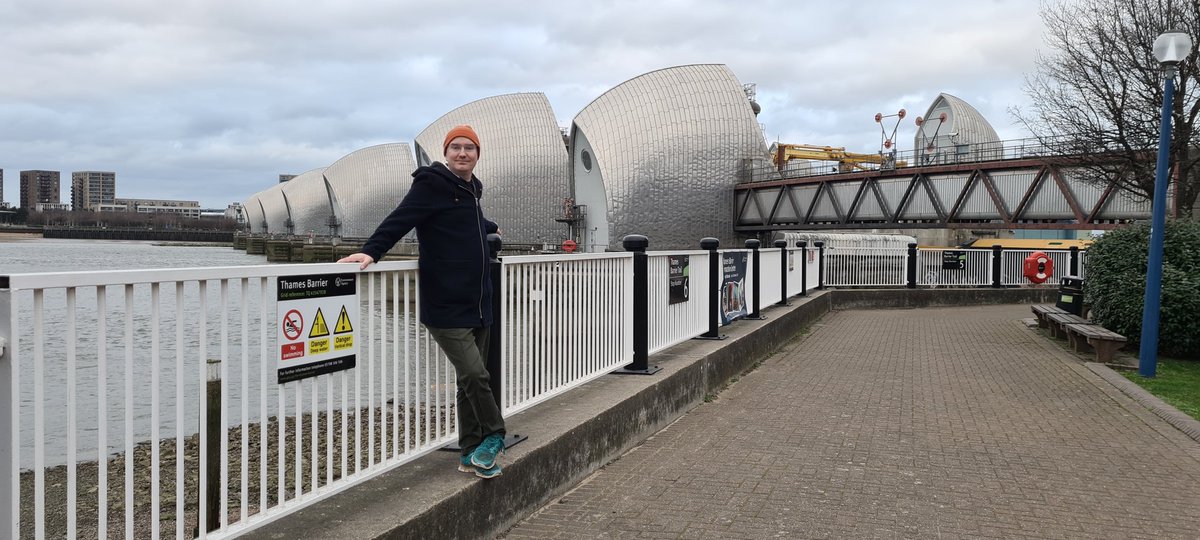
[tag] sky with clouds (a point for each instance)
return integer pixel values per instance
(211, 100)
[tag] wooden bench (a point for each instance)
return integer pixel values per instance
(1040, 311)
(1058, 321)
(1086, 337)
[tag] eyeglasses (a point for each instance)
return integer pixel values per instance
(463, 148)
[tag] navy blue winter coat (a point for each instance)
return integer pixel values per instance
(455, 286)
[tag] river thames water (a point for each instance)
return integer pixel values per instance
(25, 254)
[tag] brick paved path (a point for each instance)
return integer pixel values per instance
(952, 422)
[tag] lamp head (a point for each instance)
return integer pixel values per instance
(1172, 47)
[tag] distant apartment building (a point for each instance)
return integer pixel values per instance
(90, 189)
(39, 187)
(285, 177)
(235, 212)
(187, 209)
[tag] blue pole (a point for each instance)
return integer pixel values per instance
(1148, 355)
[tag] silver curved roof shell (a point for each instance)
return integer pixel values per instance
(961, 135)
(366, 185)
(276, 207)
(523, 162)
(275, 213)
(659, 155)
(255, 217)
(308, 203)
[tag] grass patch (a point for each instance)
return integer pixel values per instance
(1176, 382)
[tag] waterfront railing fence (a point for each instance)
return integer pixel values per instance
(148, 402)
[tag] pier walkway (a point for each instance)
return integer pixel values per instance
(940, 422)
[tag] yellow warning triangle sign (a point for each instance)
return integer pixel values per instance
(343, 324)
(319, 328)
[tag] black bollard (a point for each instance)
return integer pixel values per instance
(912, 266)
(714, 288)
(820, 264)
(493, 353)
(997, 265)
(783, 271)
(753, 245)
(637, 244)
(803, 267)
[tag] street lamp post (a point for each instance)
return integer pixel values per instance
(1169, 49)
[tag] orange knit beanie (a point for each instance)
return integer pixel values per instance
(460, 131)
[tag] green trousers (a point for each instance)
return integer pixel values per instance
(478, 414)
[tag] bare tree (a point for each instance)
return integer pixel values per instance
(1098, 91)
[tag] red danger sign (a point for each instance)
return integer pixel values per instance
(293, 325)
(291, 350)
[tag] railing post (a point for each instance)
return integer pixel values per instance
(997, 265)
(714, 287)
(637, 244)
(495, 373)
(803, 267)
(753, 245)
(1074, 264)
(912, 266)
(783, 271)
(10, 491)
(820, 264)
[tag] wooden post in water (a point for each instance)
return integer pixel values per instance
(8, 400)
(212, 473)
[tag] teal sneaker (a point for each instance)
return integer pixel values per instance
(464, 464)
(484, 456)
(488, 473)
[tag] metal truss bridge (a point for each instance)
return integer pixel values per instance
(1013, 193)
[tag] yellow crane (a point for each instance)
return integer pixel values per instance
(847, 161)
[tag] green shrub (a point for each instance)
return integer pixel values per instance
(1116, 284)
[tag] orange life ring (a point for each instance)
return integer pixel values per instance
(1038, 267)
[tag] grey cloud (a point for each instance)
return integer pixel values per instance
(211, 100)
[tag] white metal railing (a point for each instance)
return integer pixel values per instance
(103, 376)
(106, 398)
(770, 278)
(934, 270)
(812, 258)
(795, 271)
(880, 267)
(567, 319)
(1012, 269)
(669, 323)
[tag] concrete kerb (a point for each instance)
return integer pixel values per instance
(1171, 415)
(576, 433)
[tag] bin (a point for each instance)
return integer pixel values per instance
(1070, 295)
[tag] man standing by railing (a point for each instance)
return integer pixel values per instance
(456, 290)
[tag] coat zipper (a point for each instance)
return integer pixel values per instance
(482, 246)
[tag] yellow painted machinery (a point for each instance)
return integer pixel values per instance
(847, 161)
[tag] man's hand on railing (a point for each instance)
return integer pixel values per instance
(362, 258)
